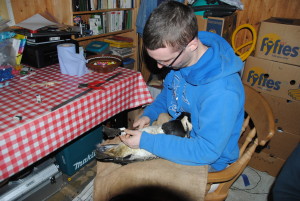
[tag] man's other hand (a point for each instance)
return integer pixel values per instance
(142, 122)
(132, 138)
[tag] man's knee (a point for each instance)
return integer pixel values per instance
(286, 185)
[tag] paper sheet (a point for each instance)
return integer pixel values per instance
(35, 22)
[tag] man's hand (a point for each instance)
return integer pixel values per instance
(142, 122)
(132, 138)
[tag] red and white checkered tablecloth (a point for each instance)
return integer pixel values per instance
(40, 132)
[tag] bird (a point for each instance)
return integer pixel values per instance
(122, 154)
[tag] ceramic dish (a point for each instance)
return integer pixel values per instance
(103, 63)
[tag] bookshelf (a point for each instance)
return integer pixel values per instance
(63, 13)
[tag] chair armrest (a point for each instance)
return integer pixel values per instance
(224, 175)
(234, 169)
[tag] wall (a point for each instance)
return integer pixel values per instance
(60, 9)
(3, 10)
(256, 11)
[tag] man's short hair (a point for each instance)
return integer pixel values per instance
(170, 24)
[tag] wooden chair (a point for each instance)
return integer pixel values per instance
(257, 130)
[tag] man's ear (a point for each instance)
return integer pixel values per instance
(193, 45)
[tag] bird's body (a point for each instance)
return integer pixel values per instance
(121, 152)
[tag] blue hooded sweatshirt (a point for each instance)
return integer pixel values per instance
(212, 91)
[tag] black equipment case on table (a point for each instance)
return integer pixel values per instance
(42, 55)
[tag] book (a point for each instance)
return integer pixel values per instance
(121, 19)
(129, 20)
(76, 5)
(99, 24)
(99, 4)
(127, 3)
(122, 38)
(94, 25)
(20, 42)
(113, 21)
(76, 20)
(118, 43)
(104, 22)
(117, 20)
(108, 22)
(104, 4)
(122, 52)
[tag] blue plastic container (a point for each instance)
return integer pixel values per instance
(128, 63)
(79, 152)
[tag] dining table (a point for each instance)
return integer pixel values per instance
(45, 109)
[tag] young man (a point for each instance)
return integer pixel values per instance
(203, 81)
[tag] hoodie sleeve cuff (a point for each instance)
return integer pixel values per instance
(147, 141)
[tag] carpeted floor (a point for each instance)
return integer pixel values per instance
(78, 187)
(258, 189)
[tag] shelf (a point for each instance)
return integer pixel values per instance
(102, 35)
(62, 11)
(99, 11)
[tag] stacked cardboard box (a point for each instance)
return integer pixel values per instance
(275, 72)
(223, 26)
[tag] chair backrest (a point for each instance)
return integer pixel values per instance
(257, 130)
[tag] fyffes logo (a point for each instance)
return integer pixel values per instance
(272, 44)
(257, 76)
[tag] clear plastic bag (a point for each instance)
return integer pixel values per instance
(7, 54)
(236, 3)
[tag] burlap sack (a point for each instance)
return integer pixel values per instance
(158, 180)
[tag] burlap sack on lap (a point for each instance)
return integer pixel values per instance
(157, 179)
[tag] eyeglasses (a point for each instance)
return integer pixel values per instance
(171, 64)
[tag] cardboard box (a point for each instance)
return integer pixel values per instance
(79, 152)
(286, 113)
(274, 78)
(266, 163)
(279, 40)
(222, 26)
(282, 145)
(266, 159)
(201, 23)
